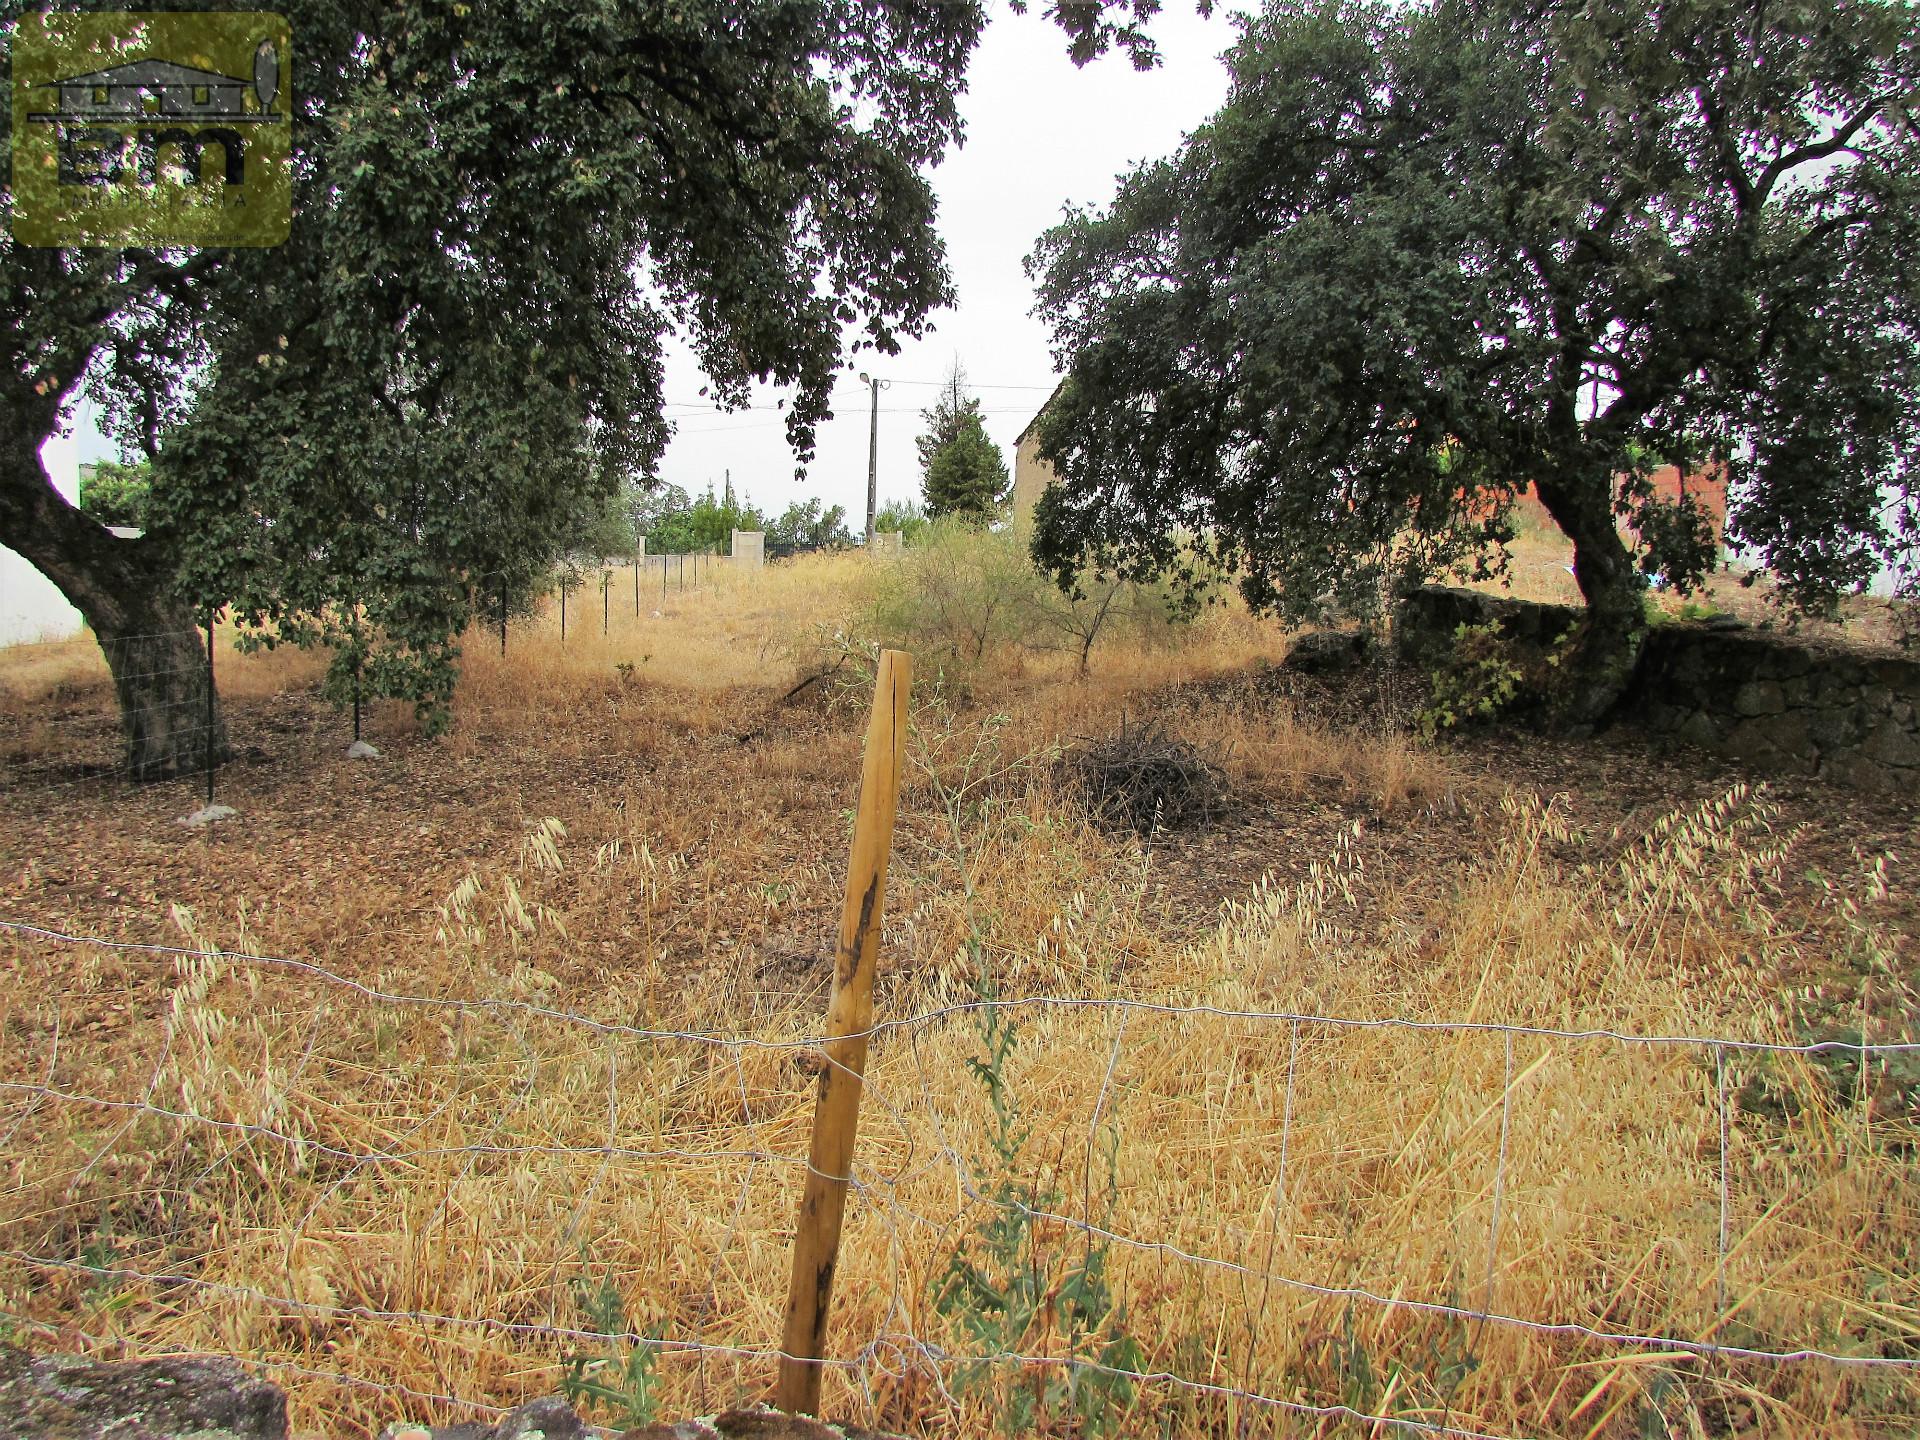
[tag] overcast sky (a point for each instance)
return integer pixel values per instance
(1040, 134)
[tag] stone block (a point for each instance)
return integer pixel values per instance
(69, 1397)
(1759, 697)
(547, 1419)
(1699, 729)
(749, 549)
(1322, 652)
(1857, 772)
(1833, 727)
(1892, 745)
(754, 1425)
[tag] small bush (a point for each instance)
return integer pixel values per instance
(963, 594)
(958, 593)
(1476, 682)
(1016, 1286)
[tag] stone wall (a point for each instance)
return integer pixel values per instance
(1776, 703)
(1806, 710)
(1031, 475)
(72, 1397)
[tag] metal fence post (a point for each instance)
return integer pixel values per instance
(208, 746)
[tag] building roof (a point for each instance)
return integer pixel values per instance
(150, 72)
(1021, 438)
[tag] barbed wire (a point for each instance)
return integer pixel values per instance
(935, 1355)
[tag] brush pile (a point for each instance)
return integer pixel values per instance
(1144, 780)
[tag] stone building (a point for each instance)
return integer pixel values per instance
(1031, 474)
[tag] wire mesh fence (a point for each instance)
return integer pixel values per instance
(122, 708)
(410, 1196)
(134, 708)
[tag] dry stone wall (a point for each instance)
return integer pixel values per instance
(1767, 700)
(71, 1397)
(1756, 698)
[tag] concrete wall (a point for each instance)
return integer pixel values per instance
(31, 606)
(749, 548)
(1778, 704)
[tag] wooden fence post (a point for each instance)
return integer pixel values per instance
(816, 1240)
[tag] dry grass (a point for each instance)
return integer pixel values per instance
(375, 1163)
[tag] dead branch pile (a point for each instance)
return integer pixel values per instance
(1144, 780)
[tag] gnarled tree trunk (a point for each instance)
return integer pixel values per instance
(1597, 674)
(153, 645)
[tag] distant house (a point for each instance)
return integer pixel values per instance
(1031, 474)
(151, 89)
(1706, 488)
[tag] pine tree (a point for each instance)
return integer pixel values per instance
(962, 472)
(968, 475)
(945, 417)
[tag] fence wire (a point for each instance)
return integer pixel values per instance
(80, 738)
(900, 1351)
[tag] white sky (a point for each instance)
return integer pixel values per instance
(1039, 134)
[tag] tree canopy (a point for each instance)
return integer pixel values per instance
(500, 211)
(968, 475)
(1428, 254)
(806, 525)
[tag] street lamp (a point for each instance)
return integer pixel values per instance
(873, 449)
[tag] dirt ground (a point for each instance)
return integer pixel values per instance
(640, 849)
(325, 850)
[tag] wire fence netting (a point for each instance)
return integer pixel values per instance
(1098, 1214)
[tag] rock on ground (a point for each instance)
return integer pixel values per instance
(548, 1419)
(69, 1397)
(753, 1425)
(206, 815)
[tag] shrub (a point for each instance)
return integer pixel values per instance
(1477, 681)
(1017, 1283)
(955, 595)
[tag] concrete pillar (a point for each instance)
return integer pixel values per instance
(749, 549)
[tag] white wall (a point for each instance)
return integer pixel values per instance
(30, 607)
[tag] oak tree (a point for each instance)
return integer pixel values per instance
(1428, 254)
(500, 212)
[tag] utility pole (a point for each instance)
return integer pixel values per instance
(873, 449)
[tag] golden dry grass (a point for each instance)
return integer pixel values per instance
(322, 1172)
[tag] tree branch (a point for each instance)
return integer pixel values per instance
(1840, 140)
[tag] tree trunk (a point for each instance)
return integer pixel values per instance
(1597, 674)
(153, 645)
